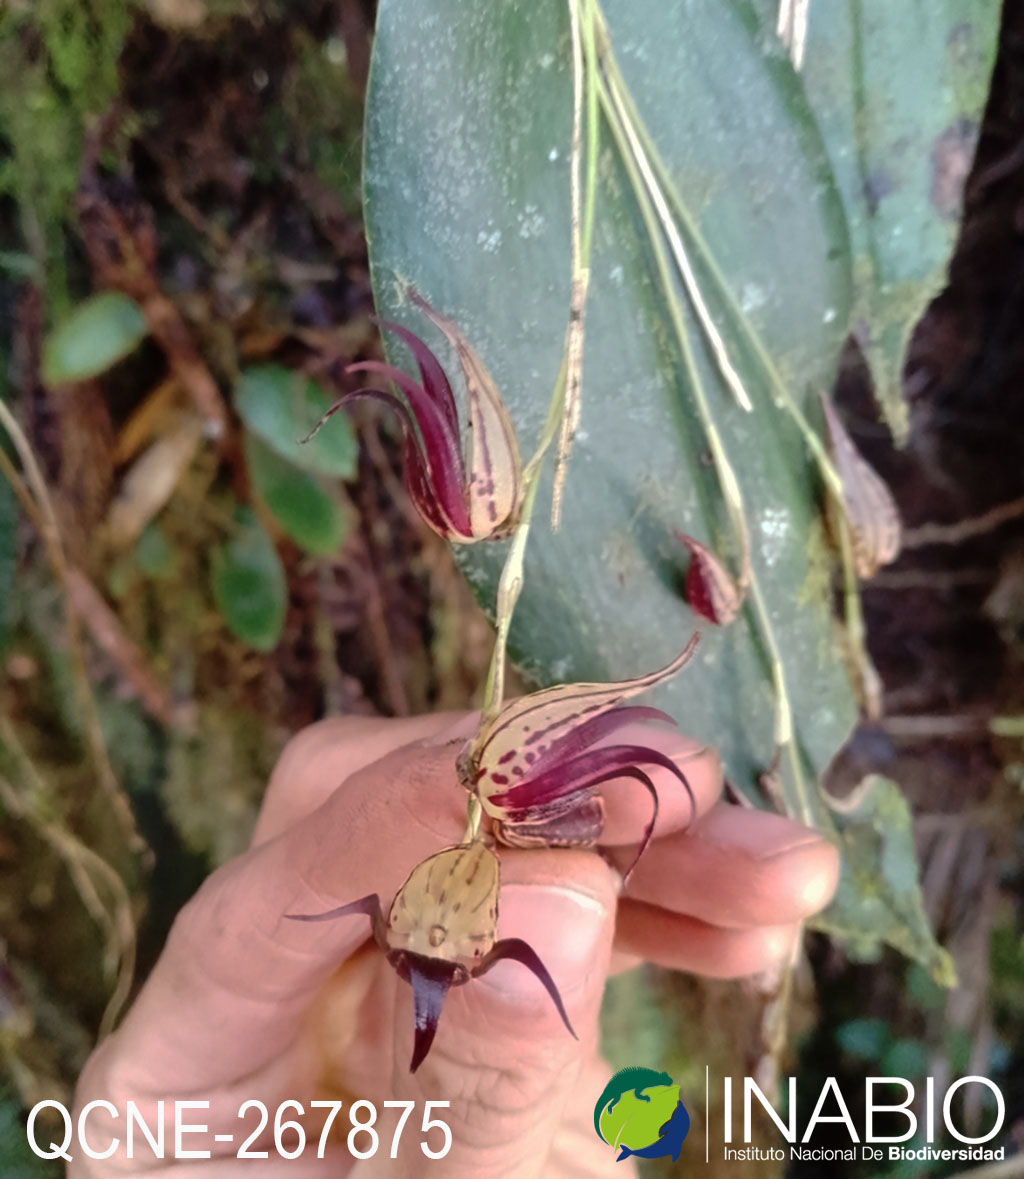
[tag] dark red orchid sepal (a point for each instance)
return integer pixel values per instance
(463, 503)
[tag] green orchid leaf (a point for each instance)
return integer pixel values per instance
(879, 896)
(96, 335)
(249, 584)
(475, 212)
(281, 406)
(898, 92)
(153, 554)
(299, 502)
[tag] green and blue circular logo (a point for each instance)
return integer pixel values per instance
(639, 1113)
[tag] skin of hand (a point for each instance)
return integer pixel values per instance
(245, 1004)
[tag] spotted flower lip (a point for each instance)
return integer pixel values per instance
(463, 502)
(441, 931)
(537, 764)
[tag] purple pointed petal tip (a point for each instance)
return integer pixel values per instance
(438, 442)
(517, 950)
(429, 990)
(433, 375)
(648, 833)
(378, 395)
(368, 906)
(443, 510)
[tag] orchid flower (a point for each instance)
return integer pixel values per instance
(462, 502)
(441, 931)
(535, 767)
(710, 589)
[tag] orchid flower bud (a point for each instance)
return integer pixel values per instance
(441, 931)
(710, 589)
(462, 503)
(535, 767)
(868, 504)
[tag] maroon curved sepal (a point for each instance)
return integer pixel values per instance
(440, 443)
(519, 951)
(368, 905)
(435, 382)
(579, 739)
(418, 479)
(435, 473)
(546, 795)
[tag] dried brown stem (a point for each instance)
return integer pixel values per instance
(961, 530)
(34, 487)
(108, 634)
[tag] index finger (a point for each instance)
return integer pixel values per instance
(316, 761)
(628, 807)
(320, 758)
(229, 993)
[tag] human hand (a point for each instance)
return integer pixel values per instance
(244, 1004)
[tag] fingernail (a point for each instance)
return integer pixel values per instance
(570, 930)
(815, 866)
(762, 835)
(781, 943)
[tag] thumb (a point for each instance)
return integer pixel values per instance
(502, 1057)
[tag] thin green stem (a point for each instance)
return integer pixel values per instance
(629, 119)
(640, 180)
(509, 587)
(563, 408)
(782, 396)
(474, 817)
(723, 469)
(582, 225)
(593, 128)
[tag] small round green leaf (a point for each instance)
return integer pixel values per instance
(98, 333)
(281, 406)
(249, 584)
(154, 555)
(304, 508)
